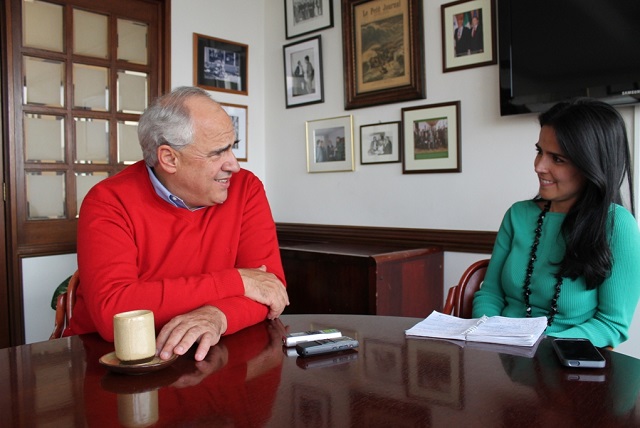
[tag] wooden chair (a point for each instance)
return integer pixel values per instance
(459, 301)
(64, 307)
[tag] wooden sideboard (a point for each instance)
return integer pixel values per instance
(346, 278)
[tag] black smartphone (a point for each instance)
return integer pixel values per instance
(578, 353)
(325, 346)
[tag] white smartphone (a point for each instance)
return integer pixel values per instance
(293, 339)
(325, 346)
(578, 353)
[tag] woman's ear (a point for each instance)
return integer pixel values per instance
(167, 158)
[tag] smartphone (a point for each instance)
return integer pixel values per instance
(307, 336)
(578, 353)
(325, 346)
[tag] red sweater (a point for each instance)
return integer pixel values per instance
(137, 251)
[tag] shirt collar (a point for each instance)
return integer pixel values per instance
(164, 193)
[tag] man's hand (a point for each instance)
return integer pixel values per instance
(204, 325)
(264, 287)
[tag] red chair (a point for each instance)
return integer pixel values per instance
(64, 307)
(459, 301)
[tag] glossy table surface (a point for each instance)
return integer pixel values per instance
(248, 380)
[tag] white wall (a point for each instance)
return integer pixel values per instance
(497, 152)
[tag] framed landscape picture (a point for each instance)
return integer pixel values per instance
(220, 65)
(306, 16)
(431, 138)
(380, 143)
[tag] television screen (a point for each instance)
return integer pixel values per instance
(551, 50)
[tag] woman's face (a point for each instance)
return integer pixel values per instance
(560, 180)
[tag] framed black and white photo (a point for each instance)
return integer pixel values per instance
(330, 144)
(431, 138)
(468, 34)
(306, 16)
(303, 72)
(220, 65)
(380, 143)
(239, 115)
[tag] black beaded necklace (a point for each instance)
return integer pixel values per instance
(532, 259)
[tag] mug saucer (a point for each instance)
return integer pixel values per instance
(111, 362)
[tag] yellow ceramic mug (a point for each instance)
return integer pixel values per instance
(134, 336)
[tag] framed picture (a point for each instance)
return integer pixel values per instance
(239, 117)
(468, 34)
(380, 143)
(303, 72)
(220, 65)
(306, 16)
(383, 51)
(330, 144)
(431, 138)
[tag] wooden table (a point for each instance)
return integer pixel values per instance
(248, 380)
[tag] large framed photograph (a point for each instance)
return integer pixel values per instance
(306, 16)
(468, 34)
(220, 65)
(330, 144)
(239, 115)
(431, 138)
(380, 143)
(383, 52)
(303, 72)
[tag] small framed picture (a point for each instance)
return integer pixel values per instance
(303, 72)
(239, 116)
(380, 143)
(468, 34)
(330, 144)
(220, 65)
(431, 138)
(306, 16)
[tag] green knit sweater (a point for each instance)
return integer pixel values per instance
(602, 315)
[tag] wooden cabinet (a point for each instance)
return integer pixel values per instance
(362, 279)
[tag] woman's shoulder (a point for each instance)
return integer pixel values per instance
(526, 207)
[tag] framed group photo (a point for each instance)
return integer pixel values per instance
(383, 51)
(380, 143)
(330, 144)
(220, 65)
(306, 16)
(239, 117)
(431, 138)
(303, 72)
(468, 34)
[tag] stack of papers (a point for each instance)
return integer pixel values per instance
(497, 329)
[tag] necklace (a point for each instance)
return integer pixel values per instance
(532, 259)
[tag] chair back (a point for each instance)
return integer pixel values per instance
(64, 307)
(459, 301)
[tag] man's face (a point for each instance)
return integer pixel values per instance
(204, 168)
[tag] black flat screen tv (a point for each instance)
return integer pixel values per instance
(552, 50)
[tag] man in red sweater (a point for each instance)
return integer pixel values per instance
(185, 233)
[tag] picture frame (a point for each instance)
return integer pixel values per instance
(220, 65)
(382, 67)
(303, 72)
(468, 34)
(239, 115)
(330, 144)
(380, 143)
(431, 138)
(306, 16)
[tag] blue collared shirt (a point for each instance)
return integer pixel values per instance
(164, 193)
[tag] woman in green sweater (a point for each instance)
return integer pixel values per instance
(571, 254)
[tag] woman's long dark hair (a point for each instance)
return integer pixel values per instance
(593, 136)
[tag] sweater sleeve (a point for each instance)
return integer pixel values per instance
(490, 299)
(618, 295)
